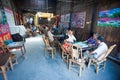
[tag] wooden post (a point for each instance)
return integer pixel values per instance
(93, 17)
(71, 7)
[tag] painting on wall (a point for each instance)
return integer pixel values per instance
(78, 20)
(62, 18)
(67, 17)
(109, 18)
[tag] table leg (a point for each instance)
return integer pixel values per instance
(24, 48)
(4, 72)
(22, 51)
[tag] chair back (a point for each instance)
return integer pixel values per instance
(75, 52)
(4, 48)
(103, 56)
(109, 50)
(62, 47)
(46, 40)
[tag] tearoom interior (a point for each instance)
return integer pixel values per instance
(59, 39)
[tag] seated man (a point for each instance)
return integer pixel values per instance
(101, 49)
(66, 32)
(71, 37)
(50, 35)
(55, 29)
(92, 41)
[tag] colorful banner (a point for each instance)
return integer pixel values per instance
(10, 17)
(2, 16)
(4, 32)
(109, 18)
(4, 28)
(5, 36)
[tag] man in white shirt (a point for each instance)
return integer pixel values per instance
(102, 48)
(50, 35)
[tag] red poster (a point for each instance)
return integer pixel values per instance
(5, 36)
(4, 32)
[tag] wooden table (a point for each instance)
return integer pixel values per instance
(85, 46)
(4, 60)
(18, 45)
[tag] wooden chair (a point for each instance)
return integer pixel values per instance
(76, 54)
(6, 49)
(5, 59)
(48, 47)
(100, 62)
(65, 55)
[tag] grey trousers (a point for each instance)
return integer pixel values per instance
(87, 55)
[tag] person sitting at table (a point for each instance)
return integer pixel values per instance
(71, 37)
(55, 29)
(67, 46)
(50, 35)
(92, 41)
(100, 50)
(65, 32)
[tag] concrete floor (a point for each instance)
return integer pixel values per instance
(37, 67)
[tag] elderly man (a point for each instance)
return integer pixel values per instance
(92, 41)
(50, 35)
(101, 49)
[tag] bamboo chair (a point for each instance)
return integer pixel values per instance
(100, 62)
(48, 47)
(65, 55)
(6, 49)
(76, 54)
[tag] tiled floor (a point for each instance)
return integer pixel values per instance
(37, 67)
